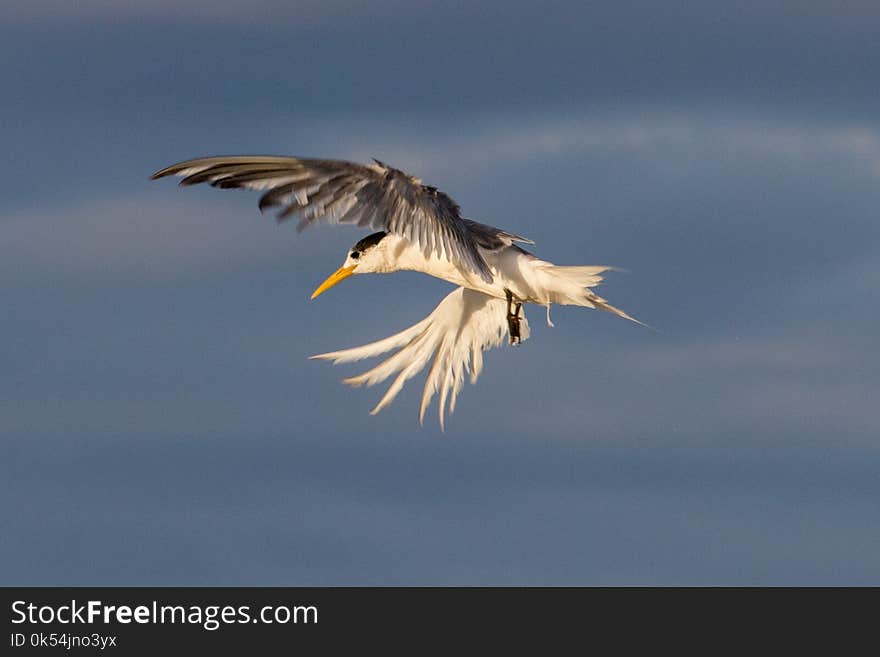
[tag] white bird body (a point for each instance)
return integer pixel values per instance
(529, 279)
(420, 229)
(511, 268)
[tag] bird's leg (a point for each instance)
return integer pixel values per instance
(513, 318)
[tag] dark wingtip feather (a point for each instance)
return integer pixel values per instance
(266, 202)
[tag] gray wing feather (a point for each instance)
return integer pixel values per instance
(335, 191)
(491, 238)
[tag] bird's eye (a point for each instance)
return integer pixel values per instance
(355, 255)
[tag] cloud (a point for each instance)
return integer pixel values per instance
(669, 134)
(775, 374)
(165, 231)
(480, 55)
(139, 236)
(156, 391)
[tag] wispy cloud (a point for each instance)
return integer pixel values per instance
(779, 378)
(692, 135)
(163, 229)
(140, 236)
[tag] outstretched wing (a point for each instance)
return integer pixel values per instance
(453, 338)
(335, 191)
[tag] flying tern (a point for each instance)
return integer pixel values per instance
(418, 228)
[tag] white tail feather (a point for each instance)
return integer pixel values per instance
(570, 284)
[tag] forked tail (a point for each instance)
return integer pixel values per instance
(571, 286)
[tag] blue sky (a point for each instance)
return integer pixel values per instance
(162, 425)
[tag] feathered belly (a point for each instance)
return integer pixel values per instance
(511, 270)
(529, 279)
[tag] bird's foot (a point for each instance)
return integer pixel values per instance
(513, 318)
(513, 324)
(513, 328)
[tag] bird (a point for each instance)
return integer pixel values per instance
(419, 228)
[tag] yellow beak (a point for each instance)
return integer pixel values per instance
(339, 275)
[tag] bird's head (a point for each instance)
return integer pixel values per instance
(365, 257)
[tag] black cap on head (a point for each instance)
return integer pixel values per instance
(369, 241)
